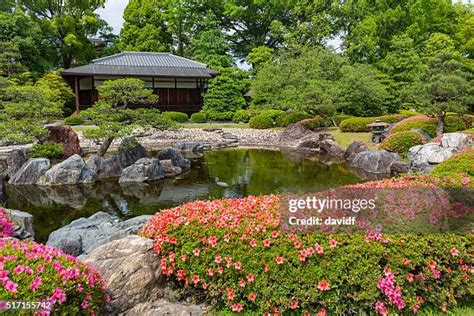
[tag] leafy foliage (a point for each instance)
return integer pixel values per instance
(33, 272)
(359, 124)
(241, 116)
(179, 117)
(46, 150)
(286, 119)
(198, 117)
(73, 120)
(453, 123)
(314, 124)
(401, 142)
(261, 122)
(459, 165)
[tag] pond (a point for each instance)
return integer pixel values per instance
(246, 171)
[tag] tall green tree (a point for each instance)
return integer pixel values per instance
(68, 24)
(145, 27)
(112, 113)
(447, 86)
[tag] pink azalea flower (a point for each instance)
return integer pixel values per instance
(253, 243)
(454, 251)
(250, 278)
(294, 304)
(58, 296)
(238, 266)
(274, 234)
(36, 283)
(196, 279)
(85, 304)
(237, 308)
(252, 297)
(319, 249)
(333, 243)
(266, 243)
(279, 260)
(196, 252)
(323, 286)
(218, 259)
(242, 283)
(297, 244)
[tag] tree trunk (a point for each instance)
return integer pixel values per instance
(105, 146)
(440, 128)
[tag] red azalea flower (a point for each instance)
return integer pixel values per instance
(323, 286)
(237, 308)
(297, 244)
(242, 283)
(406, 261)
(253, 243)
(252, 297)
(274, 234)
(454, 251)
(294, 304)
(410, 277)
(266, 243)
(250, 278)
(196, 252)
(279, 260)
(319, 249)
(196, 279)
(238, 266)
(333, 243)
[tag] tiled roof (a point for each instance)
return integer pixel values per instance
(144, 64)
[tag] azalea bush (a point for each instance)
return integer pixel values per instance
(6, 224)
(261, 122)
(359, 124)
(453, 123)
(401, 142)
(460, 165)
(32, 272)
(233, 253)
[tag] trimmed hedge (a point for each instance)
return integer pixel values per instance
(74, 120)
(459, 165)
(453, 123)
(179, 117)
(408, 113)
(314, 123)
(49, 150)
(286, 119)
(243, 261)
(241, 116)
(261, 122)
(359, 124)
(341, 117)
(32, 272)
(219, 116)
(198, 117)
(272, 113)
(401, 142)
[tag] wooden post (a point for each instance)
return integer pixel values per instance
(76, 90)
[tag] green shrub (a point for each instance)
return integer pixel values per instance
(199, 117)
(286, 119)
(219, 116)
(36, 273)
(456, 123)
(241, 116)
(272, 113)
(314, 123)
(341, 117)
(244, 261)
(49, 150)
(73, 120)
(261, 122)
(179, 117)
(402, 141)
(453, 123)
(408, 113)
(459, 165)
(359, 124)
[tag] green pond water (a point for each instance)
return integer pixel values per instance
(246, 171)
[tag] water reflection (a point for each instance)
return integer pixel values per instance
(246, 171)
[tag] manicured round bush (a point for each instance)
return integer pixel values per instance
(199, 117)
(46, 150)
(289, 118)
(6, 224)
(32, 272)
(341, 117)
(219, 116)
(261, 122)
(314, 123)
(73, 120)
(456, 123)
(233, 254)
(272, 113)
(408, 113)
(356, 124)
(459, 165)
(402, 141)
(179, 117)
(241, 116)
(453, 123)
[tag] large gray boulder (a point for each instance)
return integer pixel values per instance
(374, 161)
(131, 272)
(130, 150)
(143, 170)
(15, 161)
(423, 158)
(70, 171)
(331, 148)
(294, 134)
(195, 147)
(354, 148)
(30, 172)
(176, 158)
(169, 168)
(23, 224)
(85, 234)
(105, 167)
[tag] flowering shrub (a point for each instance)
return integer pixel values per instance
(233, 252)
(401, 142)
(6, 225)
(32, 272)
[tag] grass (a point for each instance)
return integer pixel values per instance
(344, 139)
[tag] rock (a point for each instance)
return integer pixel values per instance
(131, 272)
(325, 136)
(177, 159)
(399, 167)
(105, 167)
(165, 307)
(24, 224)
(169, 168)
(440, 155)
(65, 136)
(86, 234)
(130, 151)
(294, 132)
(457, 141)
(331, 148)
(229, 136)
(426, 137)
(311, 143)
(15, 161)
(70, 171)
(191, 146)
(3, 196)
(212, 129)
(221, 183)
(145, 169)
(375, 161)
(30, 172)
(354, 148)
